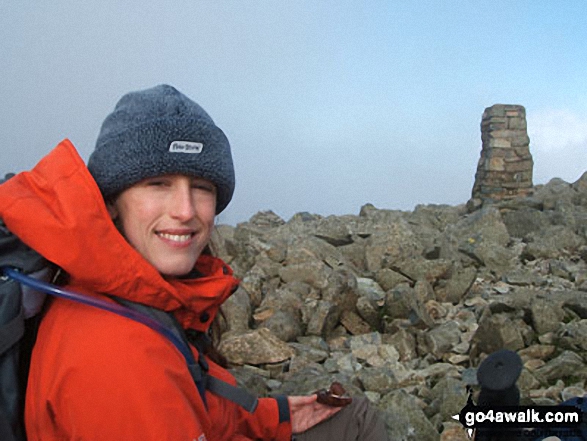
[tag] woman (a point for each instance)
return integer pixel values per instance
(134, 224)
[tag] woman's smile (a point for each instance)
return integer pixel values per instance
(176, 239)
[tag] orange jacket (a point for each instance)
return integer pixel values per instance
(98, 376)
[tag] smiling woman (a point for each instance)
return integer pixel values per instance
(133, 227)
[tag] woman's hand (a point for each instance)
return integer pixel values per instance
(306, 412)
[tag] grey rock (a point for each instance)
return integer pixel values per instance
(486, 225)
(423, 291)
(573, 335)
(576, 301)
(567, 364)
(373, 338)
(551, 241)
(323, 320)
(497, 331)
(342, 362)
(560, 269)
(441, 339)
(389, 279)
(377, 379)
(405, 419)
(314, 342)
(546, 315)
(309, 352)
(237, 311)
(395, 244)
(334, 230)
(398, 301)
(451, 396)
(266, 220)
(484, 237)
(354, 324)
(555, 191)
(457, 286)
(222, 242)
(405, 343)
(254, 347)
(495, 257)
(285, 325)
(521, 223)
(285, 298)
(370, 289)
(580, 186)
(253, 283)
(370, 312)
(419, 268)
(341, 290)
(520, 277)
(527, 381)
(314, 272)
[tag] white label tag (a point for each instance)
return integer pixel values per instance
(186, 147)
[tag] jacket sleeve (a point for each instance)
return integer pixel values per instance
(98, 376)
(269, 421)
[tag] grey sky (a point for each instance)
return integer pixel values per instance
(328, 104)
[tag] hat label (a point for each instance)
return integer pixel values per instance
(185, 147)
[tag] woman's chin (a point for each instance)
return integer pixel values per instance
(175, 269)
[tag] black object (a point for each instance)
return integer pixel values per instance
(497, 376)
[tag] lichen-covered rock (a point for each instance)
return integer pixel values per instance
(567, 364)
(405, 418)
(254, 347)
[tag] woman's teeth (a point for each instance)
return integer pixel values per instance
(175, 237)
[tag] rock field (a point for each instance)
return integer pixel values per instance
(402, 307)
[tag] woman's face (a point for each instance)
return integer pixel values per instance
(168, 219)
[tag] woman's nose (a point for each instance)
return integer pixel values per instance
(183, 206)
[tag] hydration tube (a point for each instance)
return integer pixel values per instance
(116, 308)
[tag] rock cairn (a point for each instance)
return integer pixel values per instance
(402, 307)
(505, 167)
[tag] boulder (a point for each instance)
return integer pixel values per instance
(255, 347)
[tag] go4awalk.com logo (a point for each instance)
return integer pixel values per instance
(506, 418)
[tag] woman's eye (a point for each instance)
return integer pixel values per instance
(204, 187)
(156, 183)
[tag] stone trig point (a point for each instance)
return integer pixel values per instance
(505, 167)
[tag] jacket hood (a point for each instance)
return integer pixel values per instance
(58, 210)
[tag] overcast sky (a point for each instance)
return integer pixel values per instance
(328, 104)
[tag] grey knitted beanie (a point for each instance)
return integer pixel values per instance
(160, 131)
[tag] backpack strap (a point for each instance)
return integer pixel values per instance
(198, 369)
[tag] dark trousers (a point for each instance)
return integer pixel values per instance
(359, 421)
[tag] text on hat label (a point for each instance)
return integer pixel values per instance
(186, 147)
